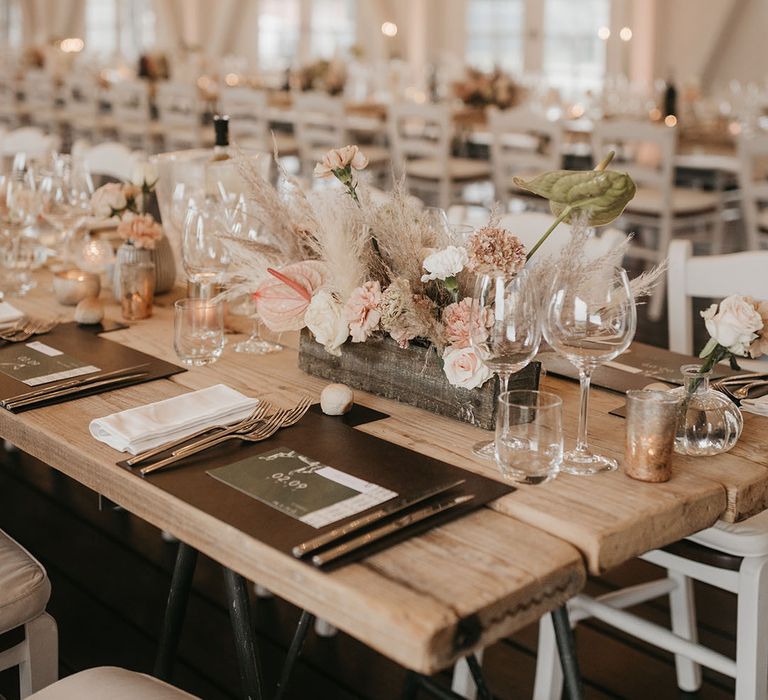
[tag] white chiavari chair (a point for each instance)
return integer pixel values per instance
(39, 106)
(421, 138)
(113, 159)
(131, 112)
(321, 124)
(753, 182)
(248, 112)
(9, 104)
(82, 108)
(522, 144)
(30, 141)
(729, 556)
(180, 116)
(647, 152)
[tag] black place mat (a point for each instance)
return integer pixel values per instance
(90, 348)
(655, 365)
(107, 325)
(333, 441)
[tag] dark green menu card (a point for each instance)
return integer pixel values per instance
(36, 363)
(302, 487)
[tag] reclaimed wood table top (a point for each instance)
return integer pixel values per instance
(502, 566)
(424, 602)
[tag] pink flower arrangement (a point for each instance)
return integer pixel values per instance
(458, 327)
(339, 159)
(363, 311)
(494, 250)
(141, 230)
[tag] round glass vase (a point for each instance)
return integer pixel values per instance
(709, 422)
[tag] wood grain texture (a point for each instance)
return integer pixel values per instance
(423, 603)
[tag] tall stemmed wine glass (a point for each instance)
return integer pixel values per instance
(505, 330)
(590, 320)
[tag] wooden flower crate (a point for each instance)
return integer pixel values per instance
(413, 376)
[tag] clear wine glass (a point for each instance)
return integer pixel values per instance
(204, 257)
(21, 207)
(590, 320)
(505, 330)
(66, 201)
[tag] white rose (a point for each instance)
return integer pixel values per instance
(445, 263)
(144, 173)
(463, 368)
(108, 199)
(324, 317)
(735, 324)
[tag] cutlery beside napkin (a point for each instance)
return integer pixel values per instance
(9, 315)
(145, 427)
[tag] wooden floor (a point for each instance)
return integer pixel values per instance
(110, 574)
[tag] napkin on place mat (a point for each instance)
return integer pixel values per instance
(9, 314)
(758, 405)
(145, 427)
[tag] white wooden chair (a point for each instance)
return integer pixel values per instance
(522, 144)
(421, 137)
(33, 142)
(131, 113)
(9, 105)
(753, 182)
(730, 556)
(82, 109)
(647, 151)
(321, 124)
(248, 113)
(180, 116)
(110, 158)
(24, 593)
(39, 106)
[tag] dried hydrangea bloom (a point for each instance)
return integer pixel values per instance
(406, 316)
(494, 250)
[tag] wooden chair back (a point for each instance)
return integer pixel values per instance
(753, 182)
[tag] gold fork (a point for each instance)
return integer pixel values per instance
(267, 428)
(254, 415)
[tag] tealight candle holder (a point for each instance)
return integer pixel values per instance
(651, 426)
(137, 289)
(96, 255)
(72, 286)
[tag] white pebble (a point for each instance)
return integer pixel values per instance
(336, 399)
(89, 311)
(659, 386)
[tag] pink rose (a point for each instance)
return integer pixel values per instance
(457, 324)
(464, 369)
(363, 312)
(734, 324)
(141, 230)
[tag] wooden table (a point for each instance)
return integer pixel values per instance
(500, 568)
(424, 603)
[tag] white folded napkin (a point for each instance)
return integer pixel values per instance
(758, 405)
(145, 427)
(9, 314)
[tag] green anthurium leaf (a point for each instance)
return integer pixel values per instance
(601, 194)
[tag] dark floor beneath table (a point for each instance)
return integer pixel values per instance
(110, 573)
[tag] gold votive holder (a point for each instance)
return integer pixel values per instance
(651, 425)
(72, 286)
(137, 289)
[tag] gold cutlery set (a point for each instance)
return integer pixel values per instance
(742, 386)
(26, 328)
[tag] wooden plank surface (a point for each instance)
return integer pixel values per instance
(608, 517)
(424, 602)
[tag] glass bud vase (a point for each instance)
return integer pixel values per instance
(709, 423)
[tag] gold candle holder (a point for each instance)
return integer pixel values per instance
(137, 289)
(651, 427)
(72, 286)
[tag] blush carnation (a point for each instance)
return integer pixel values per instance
(494, 250)
(457, 324)
(141, 230)
(363, 312)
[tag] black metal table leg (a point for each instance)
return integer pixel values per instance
(178, 596)
(566, 647)
(245, 646)
(306, 620)
(477, 676)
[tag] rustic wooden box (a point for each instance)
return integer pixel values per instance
(413, 376)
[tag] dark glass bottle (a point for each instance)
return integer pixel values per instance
(670, 98)
(221, 144)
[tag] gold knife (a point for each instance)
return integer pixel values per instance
(301, 550)
(75, 390)
(387, 529)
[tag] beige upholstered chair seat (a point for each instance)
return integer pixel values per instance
(286, 143)
(109, 683)
(684, 201)
(24, 585)
(459, 169)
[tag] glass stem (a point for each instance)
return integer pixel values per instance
(585, 377)
(504, 381)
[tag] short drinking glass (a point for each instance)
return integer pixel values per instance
(529, 436)
(198, 331)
